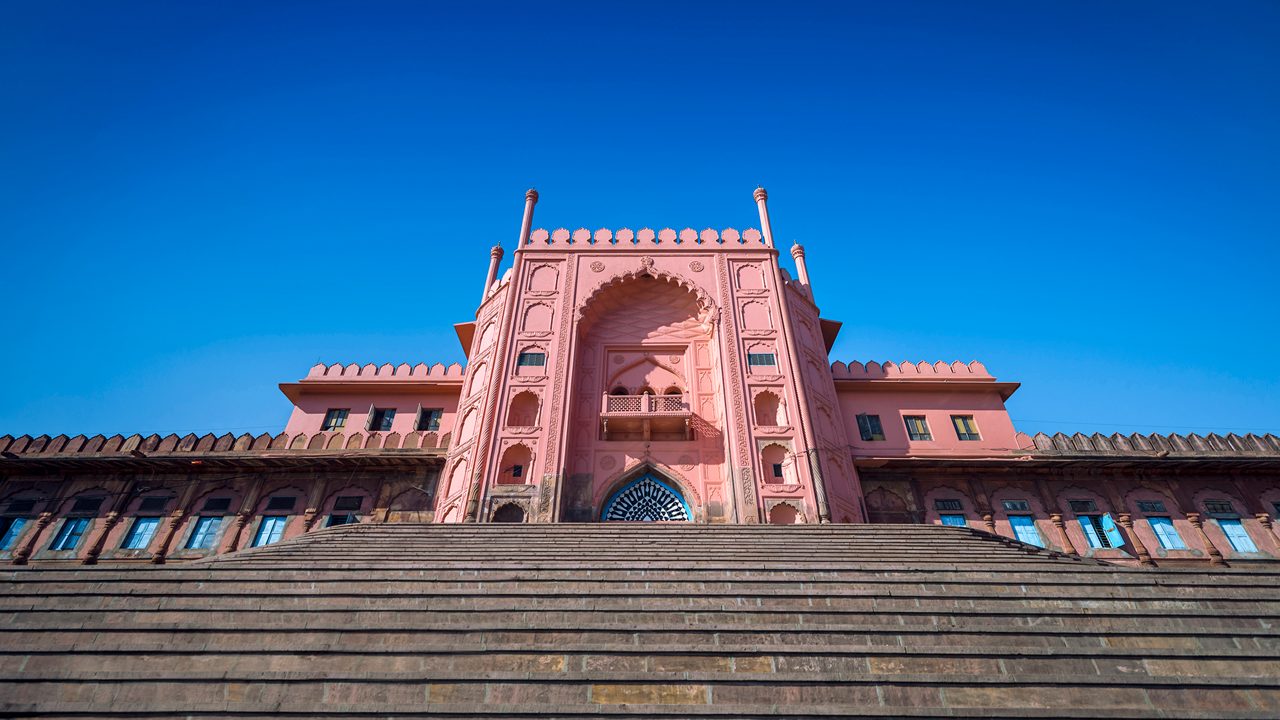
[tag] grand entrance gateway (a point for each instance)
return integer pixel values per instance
(650, 493)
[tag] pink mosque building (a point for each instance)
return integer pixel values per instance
(622, 375)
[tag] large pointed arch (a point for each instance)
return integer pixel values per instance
(647, 498)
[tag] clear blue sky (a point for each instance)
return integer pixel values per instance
(199, 200)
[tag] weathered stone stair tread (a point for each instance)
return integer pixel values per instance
(640, 621)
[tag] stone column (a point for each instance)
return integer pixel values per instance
(1125, 521)
(91, 557)
(242, 519)
(24, 553)
(1265, 520)
(1215, 555)
(1061, 525)
(989, 518)
(175, 521)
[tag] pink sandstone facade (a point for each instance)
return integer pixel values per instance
(644, 376)
(692, 358)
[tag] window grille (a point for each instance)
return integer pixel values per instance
(1151, 506)
(87, 505)
(216, 505)
(1083, 506)
(947, 505)
(347, 503)
(153, 504)
(531, 359)
(281, 503)
(18, 507)
(1016, 505)
(1219, 507)
(761, 359)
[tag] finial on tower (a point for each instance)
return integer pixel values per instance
(531, 194)
(496, 252)
(797, 253)
(760, 195)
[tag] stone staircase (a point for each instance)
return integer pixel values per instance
(645, 621)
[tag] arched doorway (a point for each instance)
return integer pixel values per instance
(509, 513)
(646, 499)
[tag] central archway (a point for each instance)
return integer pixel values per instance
(646, 499)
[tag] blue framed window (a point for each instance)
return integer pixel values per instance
(270, 530)
(140, 533)
(1166, 533)
(1024, 529)
(954, 520)
(10, 530)
(69, 534)
(1101, 531)
(204, 533)
(1237, 535)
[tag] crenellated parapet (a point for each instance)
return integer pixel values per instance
(386, 371)
(1155, 445)
(907, 370)
(645, 239)
(149, 446)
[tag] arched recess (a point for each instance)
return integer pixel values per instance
(647, 498)
(773, 458)
(770, 410)
(784, 514)
(509, 513)
(523, 411)
(514, 468)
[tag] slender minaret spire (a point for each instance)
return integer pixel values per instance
(530, 199)
(495, 256)
(761, 196)
(797, 252)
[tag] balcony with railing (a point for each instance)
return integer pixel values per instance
(645, 417)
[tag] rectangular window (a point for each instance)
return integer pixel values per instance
(1166, 533)
(869, 427)
(1016, 505)
(1083, 506)
(153, 504)
(87, 505)
(341, 519)
(1024, 529)
(429, 419)
(283, 503)
(1151, 506)
(335, 419)
(204, 533)
(347, 503)
(917, 427)
(954, 520)
(1101, 531)
(531, 359)
(947, 505)
(517, 471)
(10, 530)
(69, 534)
(140, 533)
(1237, 535)
(777, 470)
(1223, 507)
(271, 530)
(966, 428)
(20, 507)
(213, 505)
(381, 418)
(761, 359)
